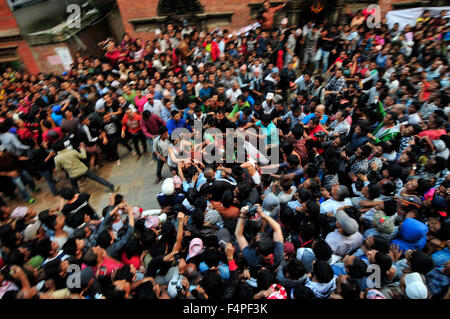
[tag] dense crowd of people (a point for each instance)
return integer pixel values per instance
(356, 207)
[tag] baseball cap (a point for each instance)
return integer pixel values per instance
(269, 96)
(440, 204)
(415, 287)
(19, 212)
(151, 222)
(168, 187)
(195, 247)
(30, 232)
(383, 223)
(289, 248)
(271, 204)
(348, 224)
(375, 294)
(177, 182)
(279, 292)
(56, 108)
(223, 234)
(275, 70)
(410, 201)
(137, 211)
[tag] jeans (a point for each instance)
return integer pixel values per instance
(150, 145)
(47, 175)
(111, 147)
(89, 174)
(136, 138)
(20, 181)
(322, 55)
(159, 166)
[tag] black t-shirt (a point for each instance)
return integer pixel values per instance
(182, 103)
(9, 162)
(76, 210)
(114, 107)
(328, 45)
(222, 125)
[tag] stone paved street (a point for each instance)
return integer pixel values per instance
(135, 178)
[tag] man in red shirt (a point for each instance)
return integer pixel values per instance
(435, 130)
(315, 132)
(131, 128)
(212, 48)
(150, 124)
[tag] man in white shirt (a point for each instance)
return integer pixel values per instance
(340, 197)
(346, 238)
(233, 93)
(152, 105)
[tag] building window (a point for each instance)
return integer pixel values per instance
(15, 4)
(170, 7)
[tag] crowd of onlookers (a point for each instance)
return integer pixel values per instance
(356, 207)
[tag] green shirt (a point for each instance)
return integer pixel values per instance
(130, 98)
(238, 109)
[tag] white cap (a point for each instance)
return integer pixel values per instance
(168, 188)
(284, 21)
(269, 96)
(415, 287)
(158, 31)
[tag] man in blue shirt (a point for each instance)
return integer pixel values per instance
(205, 92)
(319, 112)
(176, 122)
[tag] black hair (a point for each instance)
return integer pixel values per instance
(132, 248)
(124, 272)
(146, 114)
(43, 247)
(244, 291)
(388, 188)
(323, 271)
(384, 261)
(390, 207)
(313, 209)
(380, 244)
(421, 262)
(322, 251)
(264, 279)
(67, 193)
(265, 245)
(302, 292)
(90, 258)
(293, 160)
(357, 269)
(286, 215)
(104, 239)
(211, 257)
(145, 291)
(70, 247)
(111, 293)
(198, 218)
(304, 194)
(212, 284)
(374, 191)
(295, 269)
(350, 289)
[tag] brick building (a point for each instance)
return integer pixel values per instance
(142, 18)
(13, 47)
(50, 49)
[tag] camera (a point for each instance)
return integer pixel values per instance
(319, 134)
(252, 211)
